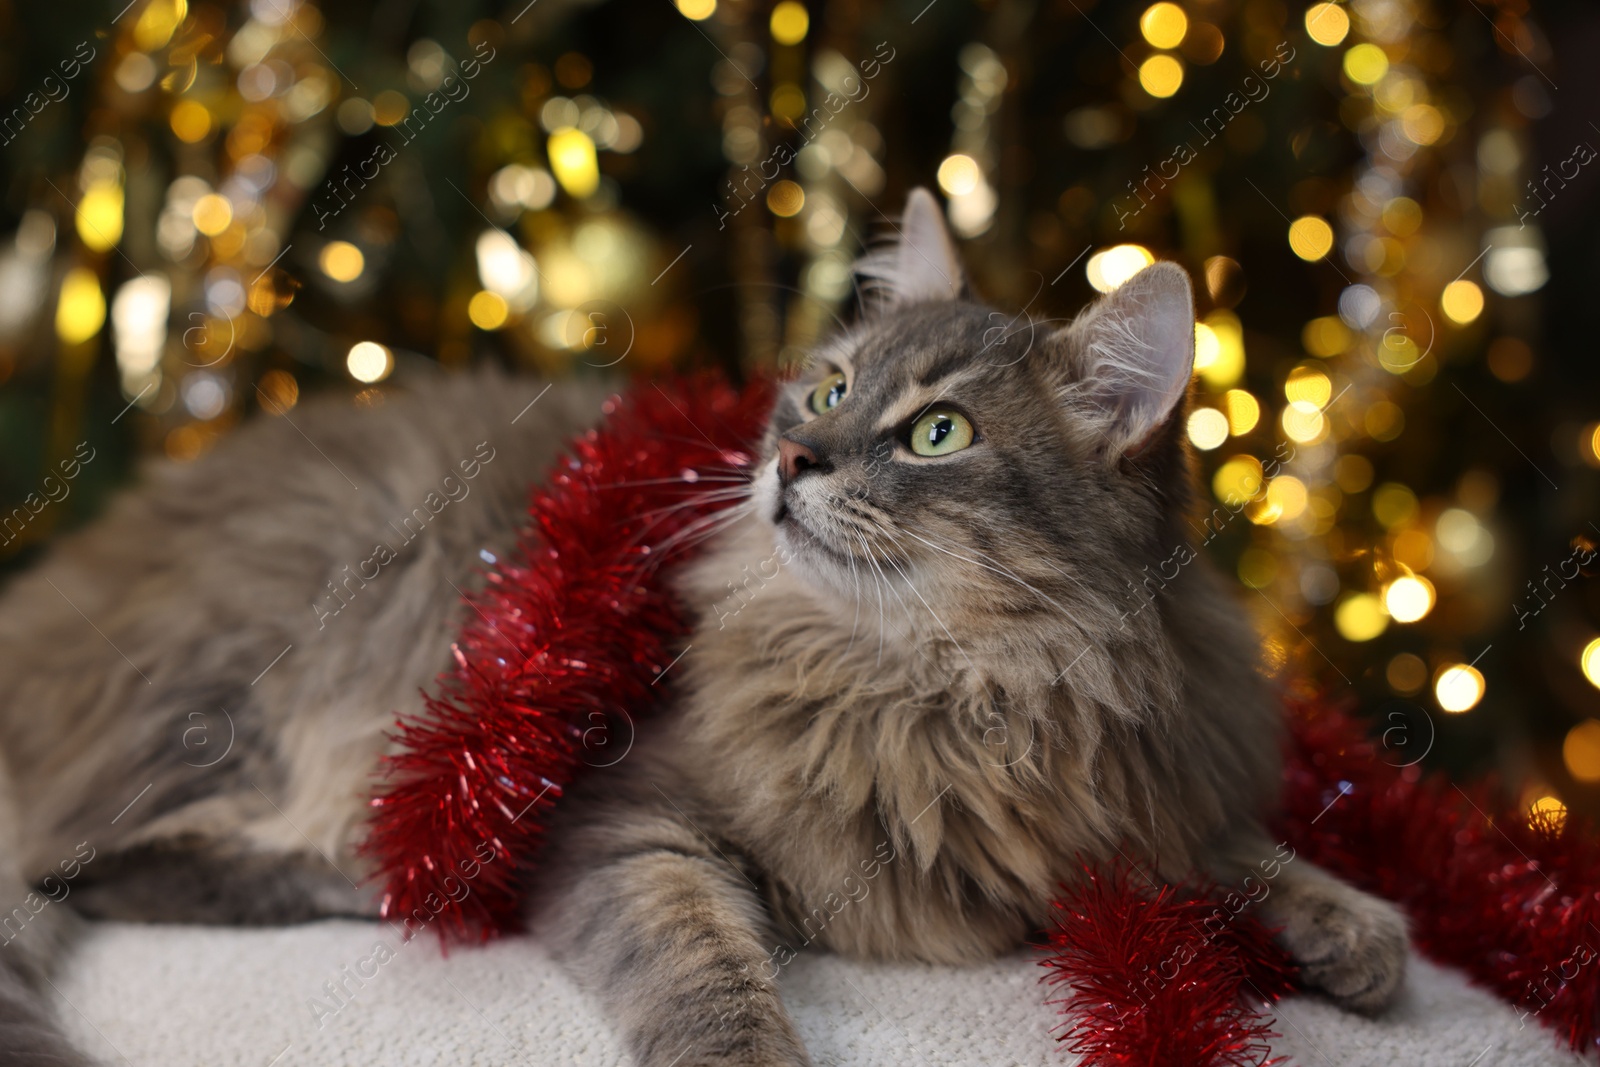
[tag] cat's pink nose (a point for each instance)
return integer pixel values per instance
(793, 458)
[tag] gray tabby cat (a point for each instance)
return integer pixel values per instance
(953, 637)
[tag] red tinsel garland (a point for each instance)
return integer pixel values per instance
(572, 630)
(565, 638)
(1512, 900)
(1161, 976)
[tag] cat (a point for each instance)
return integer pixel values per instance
(930, 671)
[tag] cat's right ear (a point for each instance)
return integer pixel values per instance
(919, 264)
(1131, 354)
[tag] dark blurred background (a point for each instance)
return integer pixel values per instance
(208, 209)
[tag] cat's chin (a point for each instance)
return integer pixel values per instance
(812, 559)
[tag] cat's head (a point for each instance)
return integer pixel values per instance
(974, 471)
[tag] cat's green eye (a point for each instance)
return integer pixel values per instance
(826, 396)
(939, 433)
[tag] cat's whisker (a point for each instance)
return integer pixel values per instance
(996, 568)
(855, 581)
(904, 607)
(904, 634)
(714, 521)
(912, 586)
(694, 532)
(1099, 599)
(711, 496)
(877, 584)
(641, 482)
(659, 515)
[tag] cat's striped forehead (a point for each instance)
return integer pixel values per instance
(920, 355)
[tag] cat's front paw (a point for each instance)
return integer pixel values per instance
(1350, 945)
(748, 1038)
(737, 1054)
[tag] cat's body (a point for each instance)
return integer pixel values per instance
(922, 684)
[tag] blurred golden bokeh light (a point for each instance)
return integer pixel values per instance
(1406, 673)
(1237, 480)
(1287, 496)
(157, 23)
(1590, 661)
(1303, 422)
(1325, 336)
(1366, 64)
(573, 161)
(1310, 238)
(369, 361)
(1580, 751)
(1408, 599)
(1205, 347)
(1161, 76)
(341, 261)
(1227, 366)
(81, 308)
(1208, 428)
(190, 121)
(785, 199)
(1244, 411)
(1458, 688)
(1110, 267)
(1461, 301)
(1309, 385)
(99, 216)
(1393, 504)
(1547, 811)
(1164, 25)
(488, 311)
(1360, 617)
(212, 214)
(1327, 24)
(789, 22)
(279, 391)
(959, 175)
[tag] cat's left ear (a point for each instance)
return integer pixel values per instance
(1133, 354)
(920, 264)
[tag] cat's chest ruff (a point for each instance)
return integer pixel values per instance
(821, 757)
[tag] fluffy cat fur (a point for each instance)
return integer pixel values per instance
(919, 685)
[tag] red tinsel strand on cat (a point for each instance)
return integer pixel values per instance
(1512, 900)
(1162, 976)
(558, 654)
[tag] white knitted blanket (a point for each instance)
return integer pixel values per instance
(148, 996)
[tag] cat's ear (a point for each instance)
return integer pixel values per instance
(1133, 354)
(920, 263)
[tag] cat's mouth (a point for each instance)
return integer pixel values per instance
(788, 519)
